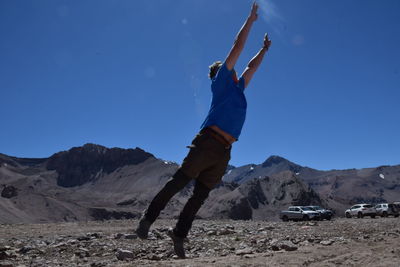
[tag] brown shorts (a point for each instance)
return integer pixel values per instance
(207, 160)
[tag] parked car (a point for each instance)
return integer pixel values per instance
(361, 210)
(385, 210)
(323, 213)
(299, 213)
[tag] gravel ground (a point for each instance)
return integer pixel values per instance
(348, 242)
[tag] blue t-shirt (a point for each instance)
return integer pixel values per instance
(228, 105)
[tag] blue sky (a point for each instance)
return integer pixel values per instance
(134, 73)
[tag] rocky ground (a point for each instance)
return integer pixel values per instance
(348, 242)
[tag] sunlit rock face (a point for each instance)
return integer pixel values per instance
(80, 165)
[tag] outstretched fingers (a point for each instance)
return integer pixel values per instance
(253, 13)
(254, 7)
(267, 41)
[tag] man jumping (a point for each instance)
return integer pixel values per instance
(210, 150)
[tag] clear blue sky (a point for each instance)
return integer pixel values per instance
(134, 73)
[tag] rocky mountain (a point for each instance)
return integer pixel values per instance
(272, 165)
(342, 188)
(261, 198)
(79, 184)
(338, 188)
(83, 164)
(95, 182)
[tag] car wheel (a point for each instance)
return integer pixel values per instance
(373, 216)
(360, 215)
(397, 215)
(285, 218)
(306, 218)
(348, 215)
(384, 214)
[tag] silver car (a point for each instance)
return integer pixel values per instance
(361, 210)
(299, 213)
(385, 210)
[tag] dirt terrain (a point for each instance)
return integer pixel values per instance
(347, 242)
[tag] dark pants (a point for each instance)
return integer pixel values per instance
(206, 162)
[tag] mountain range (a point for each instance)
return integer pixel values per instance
(93, 182)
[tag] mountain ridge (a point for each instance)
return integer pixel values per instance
(96, 182)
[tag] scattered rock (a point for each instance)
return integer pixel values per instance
(212, 232)
(4, 248)
(154, 257)
(94, 235)
(225, 231)
(72, 241)
(6, 264)
(244, 251)
(60, 245)
(124, 254)
(111, 242)
(118, 236)
(25, 249)
(131, 236)
(275, 247)
(9, 191)
(84, 238)
(82, 253)
(326, 242)
(288, 246)
(5, 255)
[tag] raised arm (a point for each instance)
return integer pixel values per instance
(241, 38)
(255, 61)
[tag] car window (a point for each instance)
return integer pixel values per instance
(355, 207)
(368, 206)
(377, 206)
(307, 208)
(297, 209)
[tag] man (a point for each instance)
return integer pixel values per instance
(210, 151)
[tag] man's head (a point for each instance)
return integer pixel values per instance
(214, 69)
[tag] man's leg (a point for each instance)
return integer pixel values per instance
(200, 194)
(178, 234)
(173, 186)
(197, 160)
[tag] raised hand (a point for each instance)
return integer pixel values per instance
(267, 41)
(253, 13)
(255, 61)
(241, 38)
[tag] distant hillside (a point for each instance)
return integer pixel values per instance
(93, 182)
(338, 188)
(261, 198)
